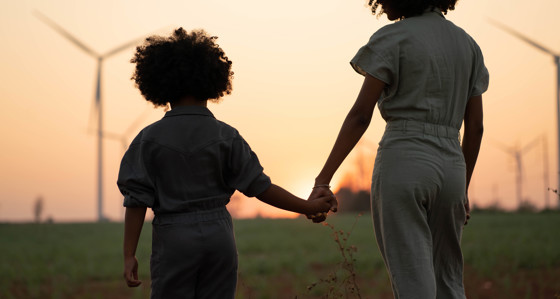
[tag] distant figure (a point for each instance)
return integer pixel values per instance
(185, 167)
(38, 209)
(427, 76)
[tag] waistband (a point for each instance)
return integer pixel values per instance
(422, 127)
(191, 217)
(204, 204)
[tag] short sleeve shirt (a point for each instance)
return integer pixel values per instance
(188, 161)
(431, 68)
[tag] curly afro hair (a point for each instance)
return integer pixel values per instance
(409, 8)
(183, 64)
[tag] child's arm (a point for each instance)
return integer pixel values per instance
(280, 198)
(133, 222)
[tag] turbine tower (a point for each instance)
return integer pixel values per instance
(98, 104)
(517, 154)
(556, 58)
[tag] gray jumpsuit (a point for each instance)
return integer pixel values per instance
(186, 167)
(431, 68)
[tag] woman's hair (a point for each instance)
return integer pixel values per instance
(409, 8)
(183, 64)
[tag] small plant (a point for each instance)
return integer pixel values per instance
(342, 281)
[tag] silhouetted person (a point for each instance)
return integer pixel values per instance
(38, 209)
(186, 167)
(427, 76)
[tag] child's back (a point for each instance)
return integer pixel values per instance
(192, 161)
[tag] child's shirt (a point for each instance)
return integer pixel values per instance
(431, 68)
(188, 161)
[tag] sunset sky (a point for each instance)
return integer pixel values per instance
(292, 88)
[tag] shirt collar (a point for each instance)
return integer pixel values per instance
(189, 110)
(434, 10)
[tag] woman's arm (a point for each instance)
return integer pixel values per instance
(133, 222)
(354, 126)
(472, 138)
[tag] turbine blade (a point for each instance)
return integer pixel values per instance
(92, 113)
(98, 82)
(509, 150)
(522, 37)
(94, 110)
(129, 44)
(111, 135)
(123, 47)
(64, 33)
(530, 145)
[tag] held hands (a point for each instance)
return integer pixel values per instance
(322, 193)
(131, 272)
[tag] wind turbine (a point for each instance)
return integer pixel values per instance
(97, 100)
(123, 137)
(517, 153)
(545, 172)
(556, 58)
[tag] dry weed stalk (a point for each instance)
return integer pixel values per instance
(342, 285)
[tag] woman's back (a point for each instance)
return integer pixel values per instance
(431, 68)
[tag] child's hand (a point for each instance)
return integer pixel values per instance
(323, 206)
(131, 272)
(325, 201)
(322, 192)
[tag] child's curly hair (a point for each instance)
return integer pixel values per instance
(410, 8)
(183, 64)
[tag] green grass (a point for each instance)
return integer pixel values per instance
(506, 256)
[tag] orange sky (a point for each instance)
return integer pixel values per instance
(292, 88)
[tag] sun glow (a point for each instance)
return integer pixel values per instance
(292, 91)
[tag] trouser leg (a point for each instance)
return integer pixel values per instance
(218, 278)
(175, 260)
(446, 221)
(399, 199)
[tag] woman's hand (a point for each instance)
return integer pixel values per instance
(131, 272)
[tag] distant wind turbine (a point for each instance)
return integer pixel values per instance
(545, 172)
(97, 105)
(517, 153)
(123, 137)
(556, 58)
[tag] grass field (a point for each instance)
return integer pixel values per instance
(506, 256)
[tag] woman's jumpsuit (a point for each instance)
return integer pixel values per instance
(431, 68)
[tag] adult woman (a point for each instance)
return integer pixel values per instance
(427, 76)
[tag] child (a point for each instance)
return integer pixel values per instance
(186, 167)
